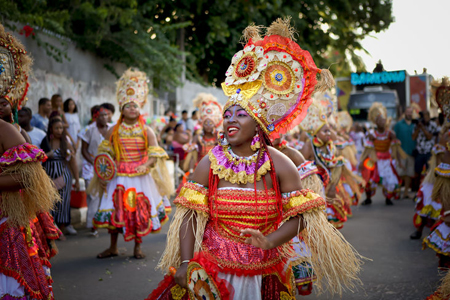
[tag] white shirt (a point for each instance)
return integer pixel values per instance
(93, 137)
(36, 135)
(74, 125)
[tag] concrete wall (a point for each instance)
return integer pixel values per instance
(187, 93)
(85, 80)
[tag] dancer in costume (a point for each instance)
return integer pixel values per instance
(9, 113)
(210, 118)
(205, 137)
(309, 177)
(381, 147)
(132, 204)
(230, 238)
(427, 210)
(332, 168)
(346, 147)
(439, 238)
(26, 193)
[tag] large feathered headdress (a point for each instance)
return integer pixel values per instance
(15, 67)
(273, 79)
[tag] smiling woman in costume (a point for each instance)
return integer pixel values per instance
(26, 193)
(232, 231)
(132, 204)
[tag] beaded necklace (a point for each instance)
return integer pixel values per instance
(237, 169)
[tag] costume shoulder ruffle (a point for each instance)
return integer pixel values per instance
(24, 153)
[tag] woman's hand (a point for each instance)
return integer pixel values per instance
(50, 154)
(77, 185)
(180, 276)
(256, 239)
(103, 185)
(331, 193)
(142, 169)
(151, 162)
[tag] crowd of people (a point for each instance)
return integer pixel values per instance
(267, 180)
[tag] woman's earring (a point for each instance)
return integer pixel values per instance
(256, 143)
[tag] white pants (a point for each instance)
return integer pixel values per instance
(93, 202)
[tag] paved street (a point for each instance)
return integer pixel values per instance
(399, 270)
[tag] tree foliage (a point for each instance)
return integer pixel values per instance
(149, 34)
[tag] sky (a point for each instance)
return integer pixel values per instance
(419, 37)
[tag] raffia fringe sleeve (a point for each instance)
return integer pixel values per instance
(334, 261)
(298, 202)
(369, 152)
(156, 151)
(441, 187)
(38, 194)
(192, 203)
(397, 151)
(106, 147)
(162, 178)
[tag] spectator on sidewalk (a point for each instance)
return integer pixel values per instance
(40, 120)
(71, 113)
(425, 134)
(184, 121)
(61, 167)
(91, 139)
(404, 130)
(57, 107)
(192, 123)
(36, 135)
(110, 110)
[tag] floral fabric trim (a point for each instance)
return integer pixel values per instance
(299, 202)
(438, 149)
(307, 168)
(237, 171)
(156, 151)
(24, 153)
(193, 196)
(443, 170)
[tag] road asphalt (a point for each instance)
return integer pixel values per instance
(398, 268)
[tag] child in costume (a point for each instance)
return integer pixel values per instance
(27, 195)
(132, 204)
(230, 238)
(381, 147)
